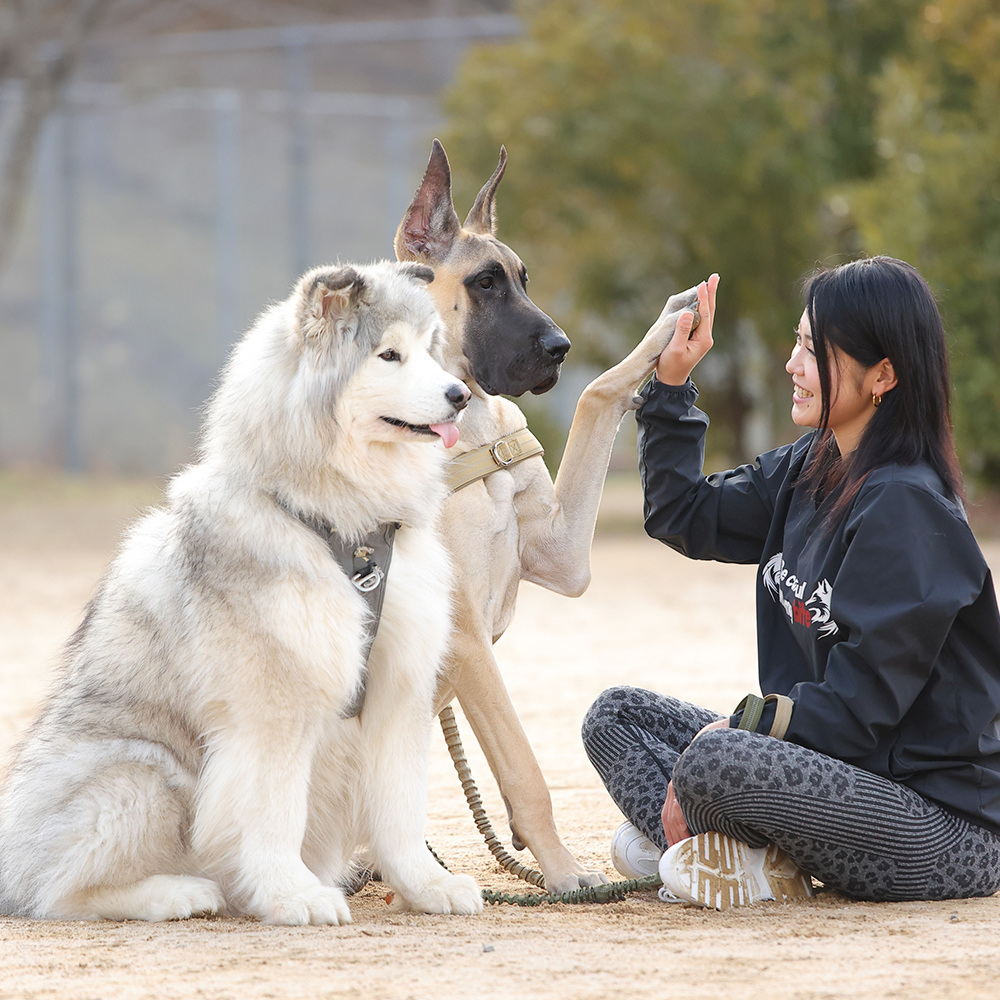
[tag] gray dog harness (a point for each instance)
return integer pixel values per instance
(366, 564)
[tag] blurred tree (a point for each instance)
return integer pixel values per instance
(653, 141)
(935, 200)
(41, 42)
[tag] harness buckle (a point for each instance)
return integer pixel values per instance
(505, 452)
(368, 579)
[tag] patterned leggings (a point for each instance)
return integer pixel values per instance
(861, 834)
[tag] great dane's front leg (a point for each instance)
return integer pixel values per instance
(556, 546)
(477, 682)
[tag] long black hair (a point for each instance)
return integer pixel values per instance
(870, 309)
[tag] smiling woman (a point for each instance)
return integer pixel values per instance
(853, 389)
(873, 763)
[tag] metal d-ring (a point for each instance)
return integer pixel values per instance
(505, 452)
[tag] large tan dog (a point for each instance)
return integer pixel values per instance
(514, 524)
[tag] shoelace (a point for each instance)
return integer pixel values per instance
(666, 896)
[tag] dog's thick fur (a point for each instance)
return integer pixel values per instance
(195, 755)
(515, 524)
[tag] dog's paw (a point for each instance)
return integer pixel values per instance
(688, 299)
(572, 881)
(318, 904)
(450, 894)
(198, 897)
(159, 897)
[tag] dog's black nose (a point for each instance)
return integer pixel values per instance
(554, 343)
(458, 395)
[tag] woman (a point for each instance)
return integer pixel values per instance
(875, 765)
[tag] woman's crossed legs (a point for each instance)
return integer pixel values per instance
(859, 833)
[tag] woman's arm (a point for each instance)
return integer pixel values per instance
(726, 516)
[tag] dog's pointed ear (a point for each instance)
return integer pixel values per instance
(332, 294)
(482, 216)
(430, 225)
(420, 272)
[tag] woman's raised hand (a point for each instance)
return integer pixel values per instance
(687, 347)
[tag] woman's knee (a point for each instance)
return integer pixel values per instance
(697, 771)
(605, 711)
(732, 762)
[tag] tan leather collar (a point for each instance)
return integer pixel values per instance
(479, 463)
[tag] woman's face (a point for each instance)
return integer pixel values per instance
(851, 404)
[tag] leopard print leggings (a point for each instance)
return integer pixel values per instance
(861, 834)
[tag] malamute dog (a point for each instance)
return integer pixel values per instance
(203, 749)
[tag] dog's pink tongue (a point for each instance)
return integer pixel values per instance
(447, 432)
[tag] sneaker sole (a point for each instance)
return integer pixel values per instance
(718, 872)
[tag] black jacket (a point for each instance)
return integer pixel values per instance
(884, 631)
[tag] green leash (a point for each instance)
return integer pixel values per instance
(606, 893)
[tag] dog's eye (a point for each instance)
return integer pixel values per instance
(390, 355)
(486, 281)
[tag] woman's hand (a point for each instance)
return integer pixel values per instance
(687, 347)
(674, 824)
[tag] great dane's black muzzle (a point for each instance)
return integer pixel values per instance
(555, 344)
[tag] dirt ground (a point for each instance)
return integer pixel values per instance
(650, 618)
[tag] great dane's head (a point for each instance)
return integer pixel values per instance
(497, 336)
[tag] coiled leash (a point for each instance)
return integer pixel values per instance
(607, 893)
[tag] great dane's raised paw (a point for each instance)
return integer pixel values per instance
(621, 381)
(662, 331)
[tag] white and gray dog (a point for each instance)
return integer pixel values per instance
(203, 749)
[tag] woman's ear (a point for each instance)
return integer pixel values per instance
(885, 377)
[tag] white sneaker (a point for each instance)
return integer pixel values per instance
(719, 872)
(633, 853)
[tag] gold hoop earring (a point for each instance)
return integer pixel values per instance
(876, 400)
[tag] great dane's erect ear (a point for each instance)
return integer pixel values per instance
(482, 216)
(430, 225)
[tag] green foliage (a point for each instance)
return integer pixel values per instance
(935, 200)
(654, 141)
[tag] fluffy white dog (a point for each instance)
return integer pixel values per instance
(202, 750)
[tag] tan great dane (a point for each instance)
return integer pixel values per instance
(514, 524)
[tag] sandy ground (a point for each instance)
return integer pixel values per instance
(649, 618)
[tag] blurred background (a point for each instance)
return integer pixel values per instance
(167, 167)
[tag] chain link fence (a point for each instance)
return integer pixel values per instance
(162, 219)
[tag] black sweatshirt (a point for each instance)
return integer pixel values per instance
(884, 631)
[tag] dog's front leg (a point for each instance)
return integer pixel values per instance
(396, 734)
(478, 684)
(557, 536)
(250, 821)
